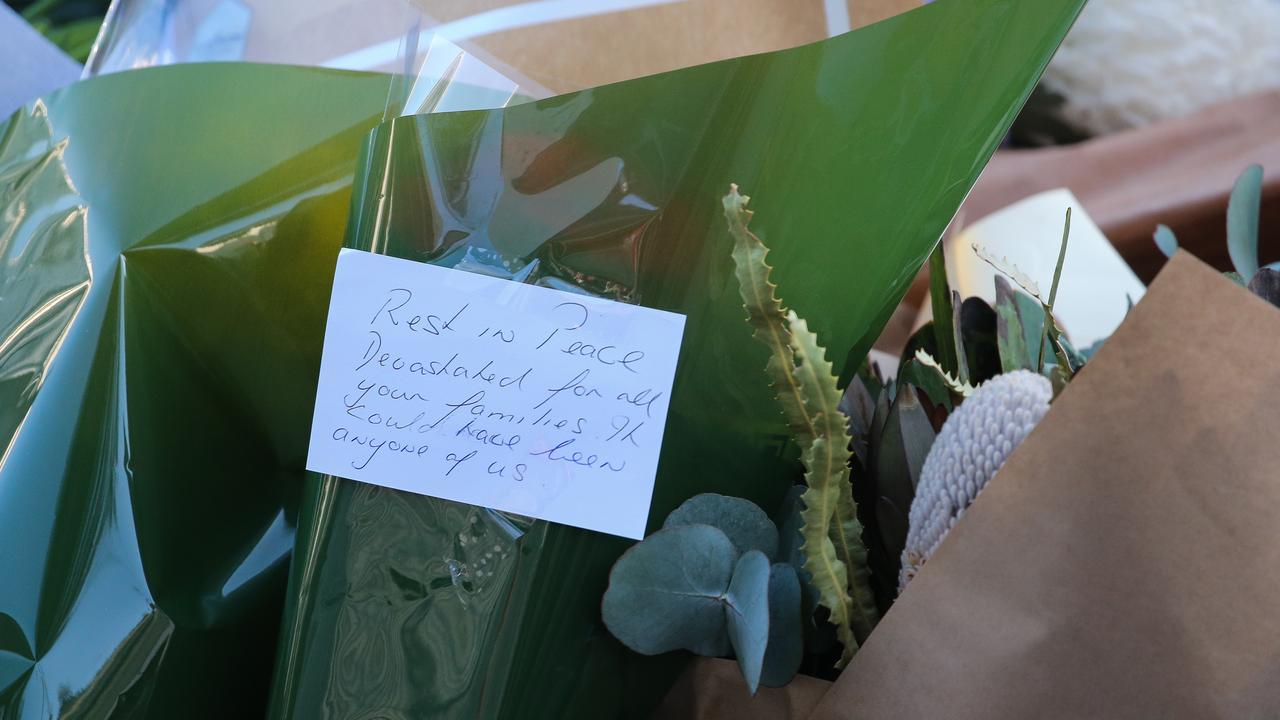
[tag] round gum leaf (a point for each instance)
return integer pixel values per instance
(667, 592)
(786, 634)
(747, 526)
(748, 614)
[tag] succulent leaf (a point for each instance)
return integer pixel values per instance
(1242, 222)
(1166, 240)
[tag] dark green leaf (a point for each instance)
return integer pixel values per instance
(961, 371)
(789, 523)
(1049, 329)
(1166, 240)
(929, 380)
(1019, 323)
(942, 298)
(1242, 221)
(747, 614)
(924, 338)
(978, 333)
(785, 650)
(859, 406)
(1266, 285)
(893, 526)
(747, 526)
(667, 592)
(903, 446)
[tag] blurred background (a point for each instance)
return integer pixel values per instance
(1147, 114)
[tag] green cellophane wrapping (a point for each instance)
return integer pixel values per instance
(858, 151)
(167, 240)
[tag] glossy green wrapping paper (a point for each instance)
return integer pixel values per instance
(858, 151)
(167, 240)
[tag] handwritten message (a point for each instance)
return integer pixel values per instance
(495, 393)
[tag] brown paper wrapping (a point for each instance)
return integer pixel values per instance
(713, 689)
(1125, 562)
(613, 46)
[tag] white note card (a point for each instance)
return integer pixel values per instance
(495, 393)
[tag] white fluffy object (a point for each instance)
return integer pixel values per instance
(973, 444)
(1127, 63)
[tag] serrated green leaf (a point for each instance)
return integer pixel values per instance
(806, 387)
(1011, 271)
(667, 591)
(1242, 222)
(930, 380)
(785, 650)
(747, 526)
(747, 614)
(955, 385)
(765, 314)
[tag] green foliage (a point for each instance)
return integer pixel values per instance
(941, 298)
(805, 385)
(72, 25)
(747, 614)
(1243, 209)
(691, 586)
(1166, 240)
(667, 592)
(747, 526)
(786, 636)
(1266, 285)
(1048, 331)
(1242, 221)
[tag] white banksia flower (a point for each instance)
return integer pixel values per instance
(973, 444)
(1127, 63)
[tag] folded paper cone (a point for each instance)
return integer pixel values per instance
(1123, 563)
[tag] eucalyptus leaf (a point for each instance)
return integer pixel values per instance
(785, 649)
(1166, 240)
(747, 614)
(790, 540)
(667, 592)
(1242, 222)
(747, 526)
